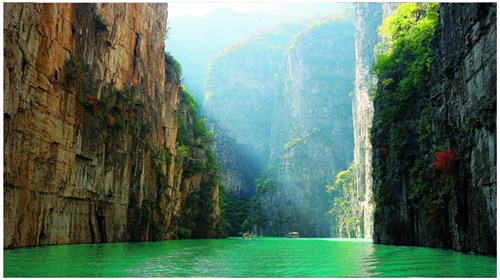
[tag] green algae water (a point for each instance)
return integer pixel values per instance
(236, 257)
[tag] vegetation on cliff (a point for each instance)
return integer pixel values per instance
(311, 129)
(271, 99)
(240, 87)
(404, 65)
(403, 71)
(429, 133)
(196, 157)
(346, 219)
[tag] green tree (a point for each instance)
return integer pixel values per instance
(345, 217)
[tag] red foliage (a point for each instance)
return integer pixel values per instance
(384, 151)
(432, 210)
(444, 176)
(444, 160)
(94, 104)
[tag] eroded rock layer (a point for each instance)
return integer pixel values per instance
(90, 126)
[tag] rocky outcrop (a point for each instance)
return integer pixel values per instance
(311, 131)
(90, 121)
(439, 188)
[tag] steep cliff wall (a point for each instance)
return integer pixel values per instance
(435, 162)
(367, 18)
(90, 122)
(311, 132)
(239, 90)
(278, 102)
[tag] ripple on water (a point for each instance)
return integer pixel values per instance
(234, 257)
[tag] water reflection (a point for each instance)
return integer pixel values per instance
(234, 257)
(409, 261)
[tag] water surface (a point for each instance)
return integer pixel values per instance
(236, 257)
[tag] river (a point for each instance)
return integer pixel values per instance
(236, 257)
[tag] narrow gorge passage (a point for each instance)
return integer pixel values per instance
(282, 103)
(164, 140)
(330, 127)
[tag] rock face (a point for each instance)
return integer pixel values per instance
(367, 18)
(280, 107)
(90, 121)
(311, 131)
(238, 100)
(203, 36)
(441, 192)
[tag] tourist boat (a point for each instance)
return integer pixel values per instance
(246, 235)
(293, 234)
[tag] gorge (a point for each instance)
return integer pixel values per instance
(377, 121)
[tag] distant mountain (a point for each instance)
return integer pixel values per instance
(194, 41)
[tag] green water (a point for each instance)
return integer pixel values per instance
(235, 257)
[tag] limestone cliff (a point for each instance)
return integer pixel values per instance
(90, 127)
(280, 108)
(367, 18)
(239, 90)
(311, 131)
(435, 163)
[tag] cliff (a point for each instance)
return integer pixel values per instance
(434, 153)
(205, 40)
(90, 127)
(277, 102)
(239, 90)
(311, 131)
(367, 18)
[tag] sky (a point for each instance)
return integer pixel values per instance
(283, 7)
(176, 9)
(199, 9)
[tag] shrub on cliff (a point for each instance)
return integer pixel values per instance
(72, 67)
(100, 24)
(403, 71)
(445, 161)
(345, 218)
(406, 38)
(170, 61)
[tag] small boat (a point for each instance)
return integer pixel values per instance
(247, 235)
(293, 234)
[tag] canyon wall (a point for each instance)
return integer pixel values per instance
(279, 104)
(239, 91)
(311, 129)
(367, 18)
(90, 127)
(434, 169)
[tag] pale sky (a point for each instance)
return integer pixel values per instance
(199, 9)
(275, 7)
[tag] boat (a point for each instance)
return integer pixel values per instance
(293, 234)
(247, 235)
